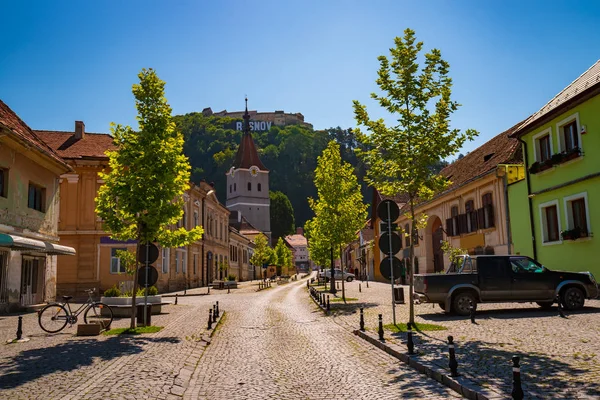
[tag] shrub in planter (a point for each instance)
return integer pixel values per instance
(152, 291)
(573, 234)
(231, 277)
(112, 292)
(557, 158)
(572, 154)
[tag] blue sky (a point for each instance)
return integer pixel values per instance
(65, 61)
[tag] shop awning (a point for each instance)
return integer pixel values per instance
(20, 243)
(52, 248)
(15, 242)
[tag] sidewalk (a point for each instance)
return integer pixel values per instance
(559, 357)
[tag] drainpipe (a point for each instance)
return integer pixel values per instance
(529, 197)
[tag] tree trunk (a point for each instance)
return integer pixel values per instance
(343, 280)
(134, 290)
(332, 288)
(411, 255)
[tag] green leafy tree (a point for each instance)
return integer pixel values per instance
(283, 256)
(142, 195)
(339, 209)
(263, 254)
(400, 157)
(282, 215)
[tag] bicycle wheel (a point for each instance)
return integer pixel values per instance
(98, 313)
(53, 318)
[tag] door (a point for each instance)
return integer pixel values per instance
(32, 281)
(438, 254)
(494, 278)
(3, 277)
(529, 282)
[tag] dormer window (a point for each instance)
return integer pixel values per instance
(487, 157)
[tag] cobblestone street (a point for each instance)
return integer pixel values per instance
(271, 344)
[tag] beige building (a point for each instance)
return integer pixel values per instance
(239, 259)
(300, 252)
(471, 214)
(29, 199)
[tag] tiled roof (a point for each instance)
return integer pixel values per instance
(247, 155)
(13, 123)
(501, 149)
(296, 240)
(368, 234)
(584, 83)
(92, 145)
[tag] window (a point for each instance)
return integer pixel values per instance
(165, 260)
(249, 186)
(234, 187)
(195, 219)
(183, 260)
(486, 219)
(258, 187)
(452, 222)
(523, 265)
(543, 145)
(115, 262)
(37, 196)
(471, 216)
(415, 235)
(3, 182)
(229, 188)
(177, 258)
(194, 262)
(576, 208)
(550, 222)
(569, 137)
(407, 235)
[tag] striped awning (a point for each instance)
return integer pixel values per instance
(20, 243)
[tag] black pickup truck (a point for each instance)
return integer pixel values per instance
(497, 279)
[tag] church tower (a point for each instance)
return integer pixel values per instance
(248, 183)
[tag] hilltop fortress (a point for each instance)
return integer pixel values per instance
(261, 121)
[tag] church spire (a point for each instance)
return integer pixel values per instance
(247, 155)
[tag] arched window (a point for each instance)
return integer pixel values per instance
(229, 188)
(259, 187)
(471, 216)
(249, 186)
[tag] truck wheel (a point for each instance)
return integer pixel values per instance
(573, 298)
(546, 305)
(462, 301)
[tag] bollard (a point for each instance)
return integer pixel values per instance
(210, 318)
(337, 285)
(307, 284)
(362, 320)
(184, 291)
(359, 288)
(228, 289)
(367, 284)
(214, 314)
(380, 327)
(20, 328)
(561, 312)
(472, 311)
(328, 305)
(453, 364)
(321, 298)
(517, 392)
(409, 341)
(218, 309)
(208, 290)
(175, 298)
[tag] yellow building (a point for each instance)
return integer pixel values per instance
(29, 198)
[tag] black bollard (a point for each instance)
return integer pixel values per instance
(208, 290)
(20, 328)
(321, 298)
(561, 312)
(214, 314)
(409, 342)
(337, 285)
(184, 291)
(307, 284)
(359, 288)
(453, 364)
(380, 327)
(362, 320)
(328, 305)
(367, 284)
(175, 298)
(517, 392)
(228, 289)
(210, 318)
(472, 311)
(218, 313)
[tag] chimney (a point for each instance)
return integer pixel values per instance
(79, 129)
(299, 231)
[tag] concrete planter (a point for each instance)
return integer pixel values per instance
(121, 306)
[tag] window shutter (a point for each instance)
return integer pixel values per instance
(449, 230)
(473, 216)
(481, 218)
(491, 214)
(462, 224)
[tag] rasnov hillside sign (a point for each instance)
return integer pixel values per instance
(254, 126)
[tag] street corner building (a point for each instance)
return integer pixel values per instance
(29, 212)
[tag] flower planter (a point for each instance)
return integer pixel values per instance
(121, 306)
(571, 156)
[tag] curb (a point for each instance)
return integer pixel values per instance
(323, 308)
(460, 384)
(185, 295)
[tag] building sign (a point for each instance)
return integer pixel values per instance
(256, 126)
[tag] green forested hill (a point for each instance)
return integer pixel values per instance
(290, 153)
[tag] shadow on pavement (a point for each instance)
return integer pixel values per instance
(30, 365)
(489, 365)
(350, 308)
(507, 313)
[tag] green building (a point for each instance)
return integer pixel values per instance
(554, 211)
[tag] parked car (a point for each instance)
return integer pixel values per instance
(495, 279)
(338, 275)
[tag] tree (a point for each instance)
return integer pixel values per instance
(142, 194)
(263, 254)
(399, 157)
(339, 209)
(283, 256)
(282, 215)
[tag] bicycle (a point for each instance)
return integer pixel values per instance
(54, 317)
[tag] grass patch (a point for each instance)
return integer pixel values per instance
(339, 299)
(418, 327)
(220, 322)
(136, 331)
